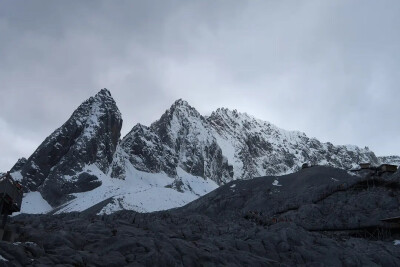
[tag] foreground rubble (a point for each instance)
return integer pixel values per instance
(317, 217)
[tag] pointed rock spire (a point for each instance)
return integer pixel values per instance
(89, 136)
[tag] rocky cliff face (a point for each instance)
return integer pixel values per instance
(90, 136)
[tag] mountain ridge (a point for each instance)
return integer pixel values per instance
(224, 124)
(180, 157)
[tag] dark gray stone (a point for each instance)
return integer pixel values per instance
(314, 226)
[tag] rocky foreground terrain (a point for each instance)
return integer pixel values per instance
(320, 216)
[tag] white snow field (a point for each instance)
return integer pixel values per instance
(139, 191)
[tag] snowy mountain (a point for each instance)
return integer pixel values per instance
(181, 138)
(178, 158)
(57, 168)
(259, 148)
(229, 145)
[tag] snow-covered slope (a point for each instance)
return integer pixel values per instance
(180, 157)
(81, 165)
(34, 203)
(140, 191)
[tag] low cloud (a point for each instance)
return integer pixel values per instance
(329, 69)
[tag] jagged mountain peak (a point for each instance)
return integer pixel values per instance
(103, 92)
(235, 118)
(137, 128)
(181, 108)
(88, 115)
(96, 112)
(226, 112)
(89, 137)
(181, 138)
(226, 120)
(181, 102)
(104, 96)
(179, 119)
(252, 146)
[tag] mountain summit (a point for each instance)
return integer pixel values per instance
(90, 136)
(181, 138)
(176, 159)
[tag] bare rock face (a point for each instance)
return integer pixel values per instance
(147, 152)
(89, 137)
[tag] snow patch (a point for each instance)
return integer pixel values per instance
(17, 176)
(197, 185)
(352, 173)
(33, 244)
(34, 203)
(276, 183)
(396, 242)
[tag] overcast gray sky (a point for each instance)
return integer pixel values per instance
(328, 68)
